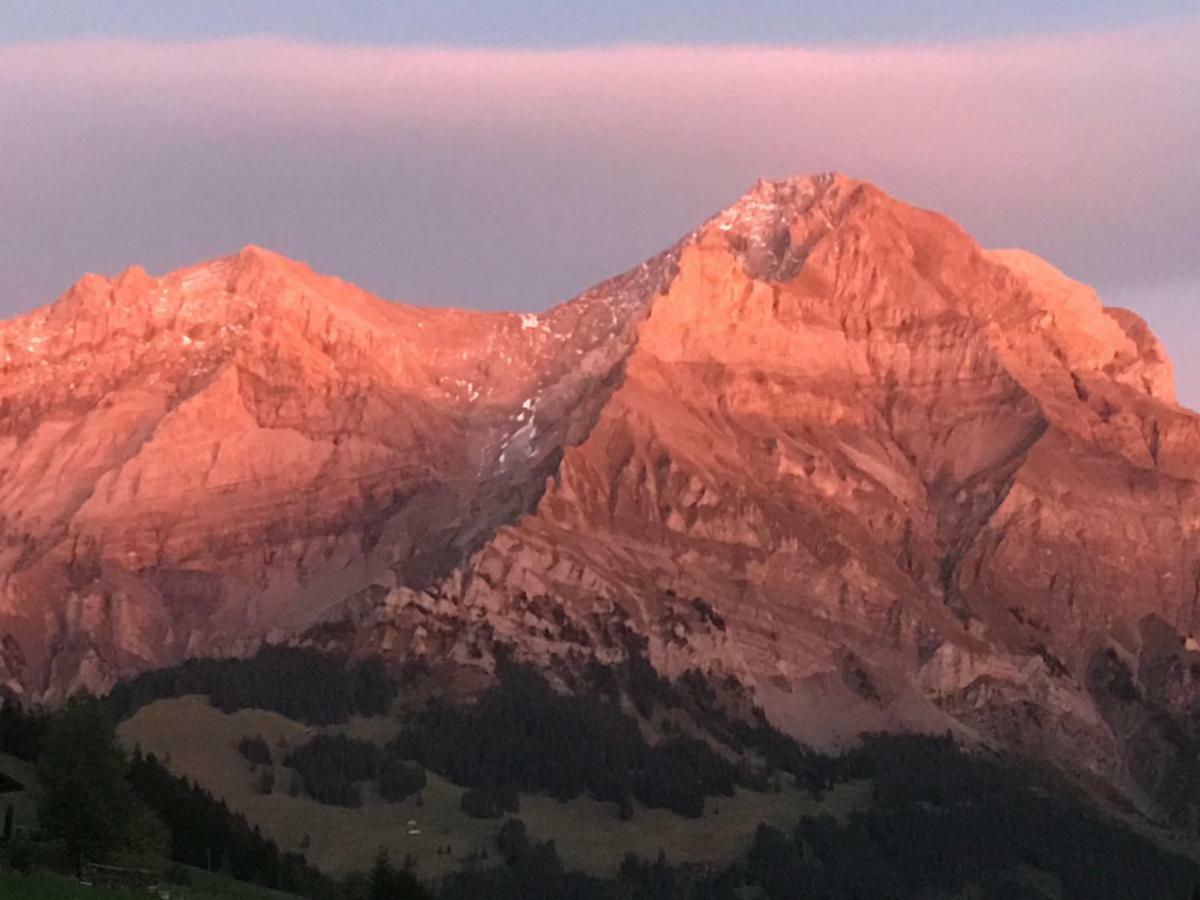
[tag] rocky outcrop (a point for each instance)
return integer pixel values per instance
(826, 446)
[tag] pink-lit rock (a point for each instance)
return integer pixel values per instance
(826, 445)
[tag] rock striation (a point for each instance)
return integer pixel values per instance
(826, 446)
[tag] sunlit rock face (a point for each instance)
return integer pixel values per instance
(825, 446)
(192, 462)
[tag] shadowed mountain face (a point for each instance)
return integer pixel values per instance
(826, 446)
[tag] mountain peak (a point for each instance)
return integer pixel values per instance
(252, 257)
(774, 225)
(256, 251)
(767, 201)
(840, 253)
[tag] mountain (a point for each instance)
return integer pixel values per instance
(825, 447)
(191, 462)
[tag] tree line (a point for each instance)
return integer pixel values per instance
(521, 735)
(300, 683)
(942, 819)
(332, 767)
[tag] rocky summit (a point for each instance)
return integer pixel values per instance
(826, 448)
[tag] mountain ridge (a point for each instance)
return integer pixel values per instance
(826, 446)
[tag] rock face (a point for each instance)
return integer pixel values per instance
(826, 446)
(190, 463)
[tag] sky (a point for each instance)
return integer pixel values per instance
(508, 155)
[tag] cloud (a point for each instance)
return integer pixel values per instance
(516, 178)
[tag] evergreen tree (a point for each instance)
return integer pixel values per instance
(21, 732)
(255, 751)
(513, 839)
(86, 798)
(390, 883)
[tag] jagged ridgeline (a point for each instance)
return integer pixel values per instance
(940, 818)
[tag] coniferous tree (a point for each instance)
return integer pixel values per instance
(513, 839)
(206, 834)
(86, 799)
(255, 751)
(21, 731)
(390, 883)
